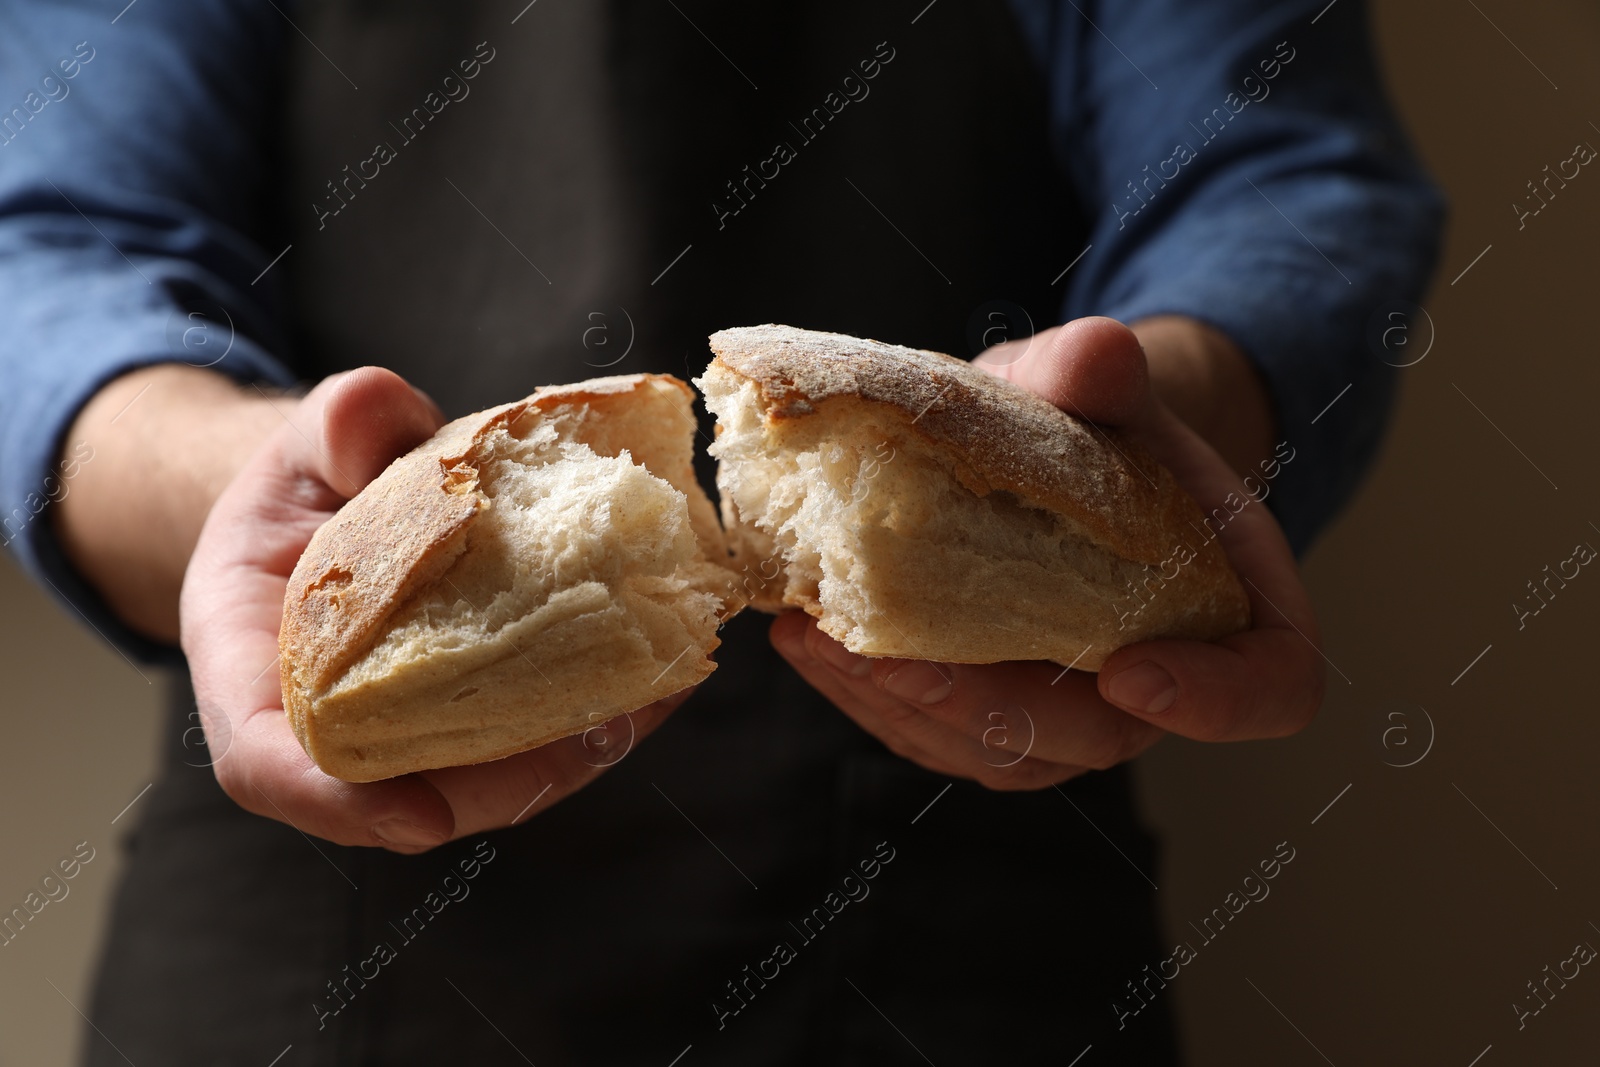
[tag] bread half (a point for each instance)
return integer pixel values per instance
(527, 573)
(920, 507)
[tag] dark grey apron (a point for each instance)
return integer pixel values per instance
(593, 189)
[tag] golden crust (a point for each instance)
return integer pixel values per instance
(1001, 435)
(395, 537)
(399, 535)
(994, 435)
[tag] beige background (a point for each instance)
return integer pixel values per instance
(1408, 923)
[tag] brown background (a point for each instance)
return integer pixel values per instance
(1408, 922)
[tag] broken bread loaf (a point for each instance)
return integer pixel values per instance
(920, 507)
(527, 573)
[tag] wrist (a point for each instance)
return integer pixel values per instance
(167, 440)
(1204, 378)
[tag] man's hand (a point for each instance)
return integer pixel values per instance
(325, 449)
(1026, 725)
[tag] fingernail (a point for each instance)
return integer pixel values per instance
(919, 682)
(840, 658)
(1144, 687)
(401, 832)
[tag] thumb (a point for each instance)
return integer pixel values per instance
(1093, 367)
(355, 424)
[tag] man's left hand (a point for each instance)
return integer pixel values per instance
(1027, 725)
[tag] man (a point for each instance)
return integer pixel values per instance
(221, 199)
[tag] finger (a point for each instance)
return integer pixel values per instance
(509, 791)
(262, 766)
(264, 770)
(1095, 367)
(353, 425)
(1023, 708)
(1001, 724)
(434, 410)
(340, 436)
(1238, 518)
(1092, 367)
(1266, 682)
(231, 642)
(789, 636)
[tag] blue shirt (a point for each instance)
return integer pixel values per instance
(1237, 158)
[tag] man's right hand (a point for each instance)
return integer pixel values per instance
(300, 463)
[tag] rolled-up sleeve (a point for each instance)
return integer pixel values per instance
(1243, 167)
(132, 183)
